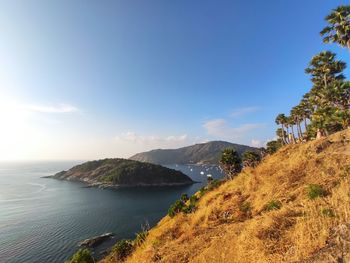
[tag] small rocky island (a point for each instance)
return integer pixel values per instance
(111, 173)
(95, 241)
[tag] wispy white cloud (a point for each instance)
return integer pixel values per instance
(257, 143)
(221, 129)
(150, 139)
(243, 111)
(60, 108)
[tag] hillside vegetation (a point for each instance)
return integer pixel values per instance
(287, 209)
(204, 153)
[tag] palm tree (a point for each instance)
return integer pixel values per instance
(281, 134)
(343, 117)
(281, 119)
(306, 108)
(338, 95)
(291, 123)
(324, 69)
(338, 29)
(326, 75)
(323, 119)
(296, 115)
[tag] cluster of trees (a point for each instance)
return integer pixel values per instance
(232, 163)
(325, 108)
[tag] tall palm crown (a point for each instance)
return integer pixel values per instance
(324, 68)
(306, 106)
(297, 114)
(281, 119)
(338, 29)
(338, 95)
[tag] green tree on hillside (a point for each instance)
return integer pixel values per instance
(251, 159)
(338, 29)
(326, 107)
(291, 122)
(273, 146)
(281, 119)
(324, 69)
(281, 134)
(306, 109)
(82, 256)
(230, 162)
(330, 93)
(296, 114)
(338, 95)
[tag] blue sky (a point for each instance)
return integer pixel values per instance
(94, 79)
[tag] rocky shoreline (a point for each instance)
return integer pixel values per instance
(88, 184)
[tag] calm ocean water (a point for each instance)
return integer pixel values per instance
(42, 220)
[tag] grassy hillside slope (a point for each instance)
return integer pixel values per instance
(241, 221)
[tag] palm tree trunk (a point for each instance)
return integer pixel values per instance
(299, 131)
(293, 136)
(296, 124)
(305, 124)
(283, 137)
(287, 134)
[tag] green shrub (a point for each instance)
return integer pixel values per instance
(314, 191)
(202, 191)
(273, 205)
(123, 248)
(82, 256)
(214, 184)
(245, 207)
(273, 146)
(182, 206)
(251, 159)
(193, 199)
(189, 208)
(328, 212)
(176, 208)
(141, 236)
(184, 197)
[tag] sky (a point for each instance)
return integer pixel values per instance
(95, 79)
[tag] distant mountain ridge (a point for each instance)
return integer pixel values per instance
(202, 153)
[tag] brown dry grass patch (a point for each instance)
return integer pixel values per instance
(220, 230)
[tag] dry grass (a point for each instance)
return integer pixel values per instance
(223, 229)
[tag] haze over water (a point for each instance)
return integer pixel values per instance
(42, 220)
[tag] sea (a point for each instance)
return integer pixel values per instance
(43, 220)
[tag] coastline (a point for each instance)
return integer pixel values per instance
(101, 185)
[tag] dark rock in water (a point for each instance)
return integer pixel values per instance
(95, 241)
